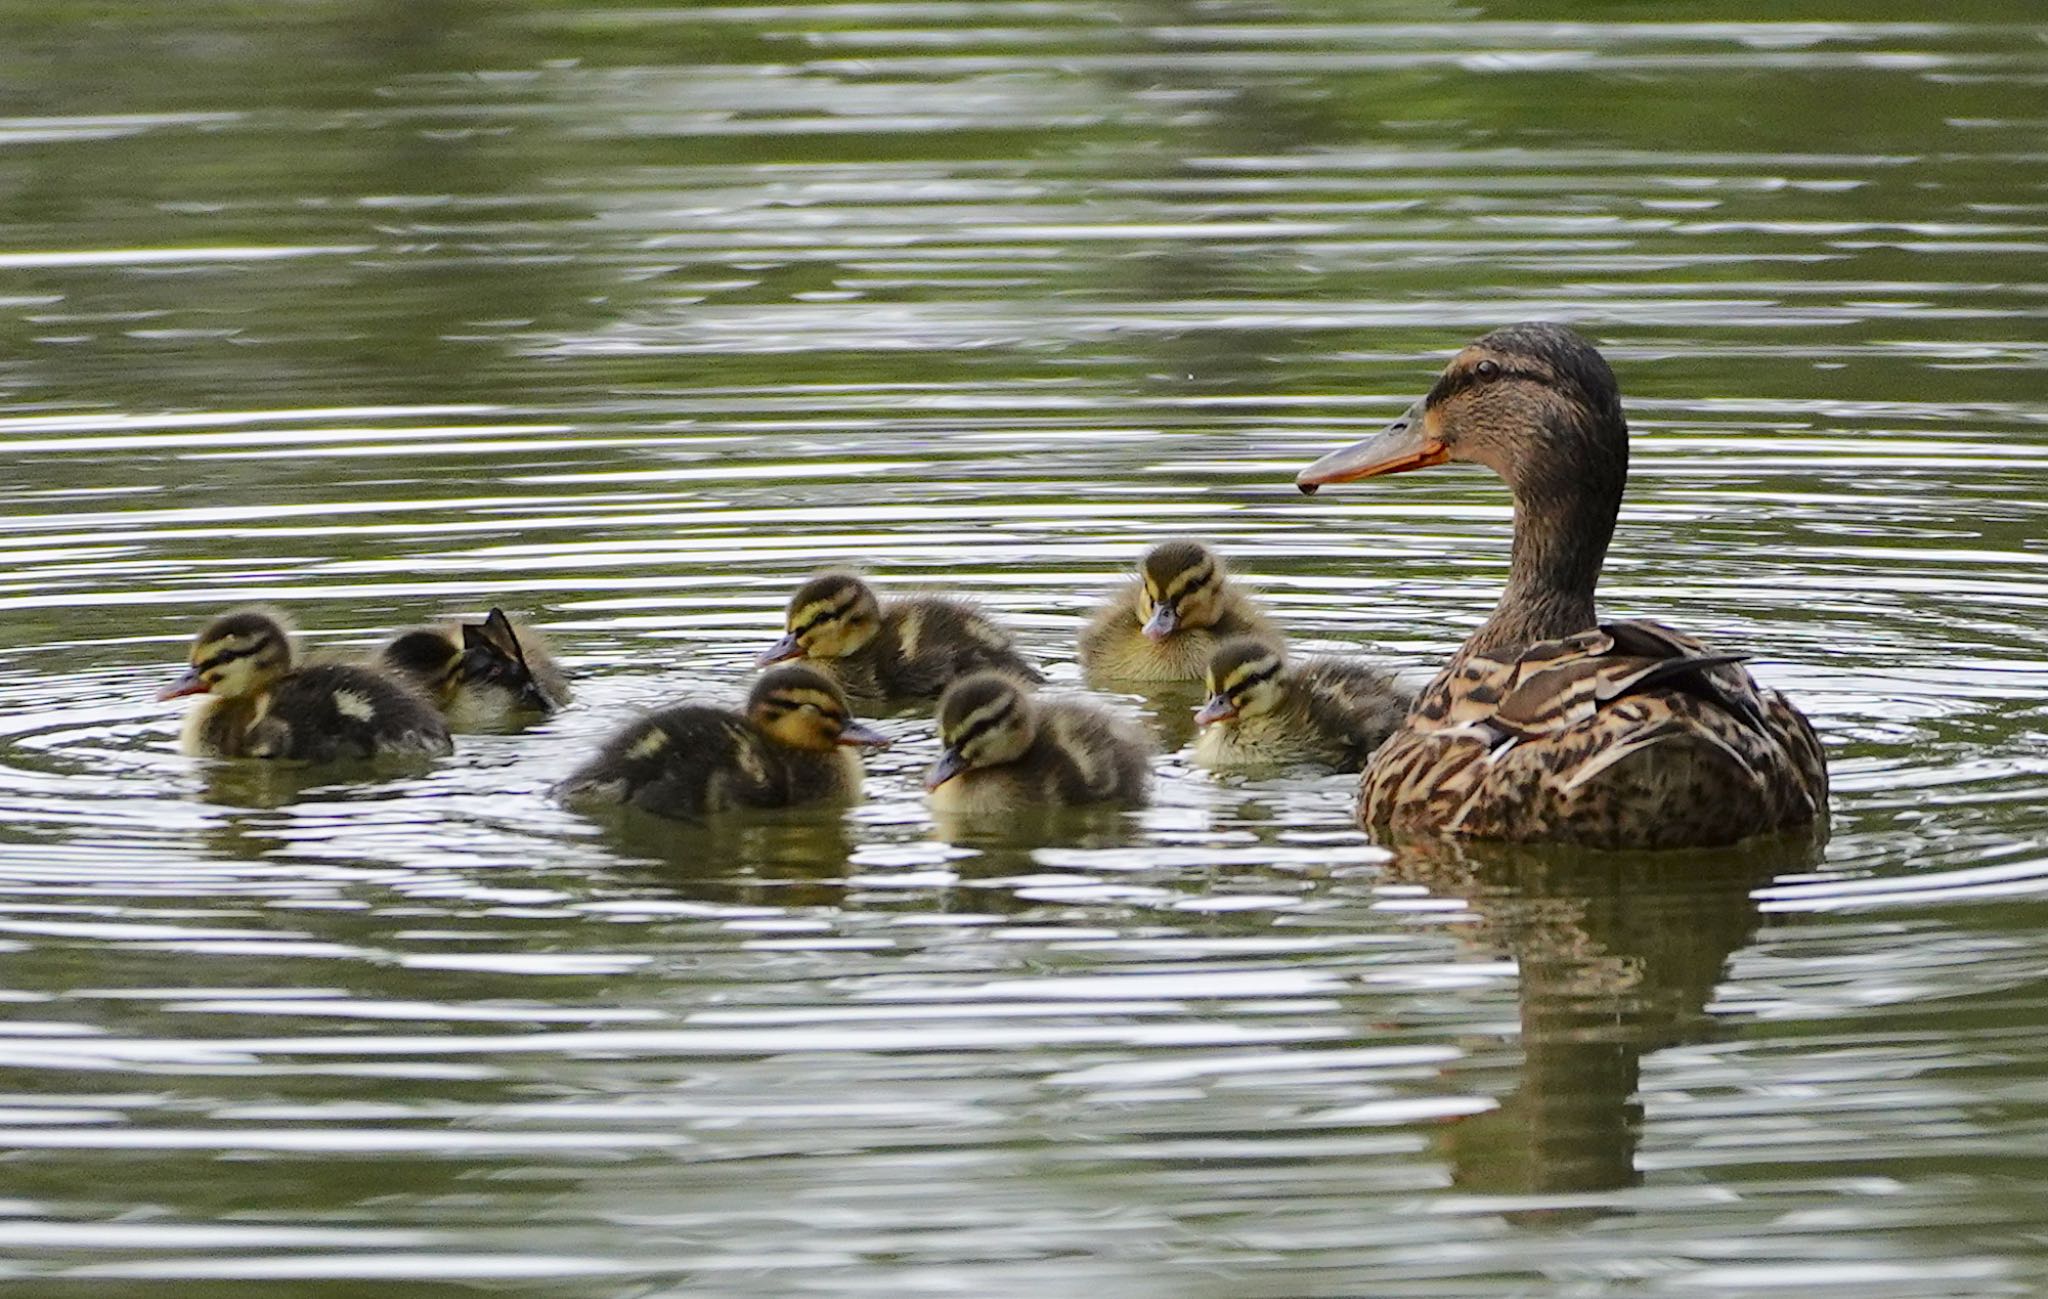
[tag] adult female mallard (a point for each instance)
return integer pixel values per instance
(1549, 725)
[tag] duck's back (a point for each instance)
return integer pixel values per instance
(329, 711)
(1629, 735)
(1085, 755)
(1351, 706)
(694, 759)
(928, 642)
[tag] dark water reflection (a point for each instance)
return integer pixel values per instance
(626, 318)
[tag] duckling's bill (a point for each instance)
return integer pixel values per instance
(1410, 442)
(189, 682)
(950, 764)
(860, 733)
(781, 651)
(1164, 622)
(1217, 709)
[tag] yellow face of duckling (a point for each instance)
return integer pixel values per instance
(239, 653)
(802, 708)
(829, 617)
(985, 720)
(1243, 681)
(1181, 585)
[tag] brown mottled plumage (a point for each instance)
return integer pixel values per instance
(1166, 624)
(259, 703)
(910, 648)
(787, 749)
(1006, 750)
(1264, 711)
(1549, 725)
(481, 674)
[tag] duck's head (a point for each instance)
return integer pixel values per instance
(239, 653)
(832, 615)
(493, 655)
(985, 720)
(1535, 403)
(1181, 584)
(428, 656)
(803, 708)
(1243, 680)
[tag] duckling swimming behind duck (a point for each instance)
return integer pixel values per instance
(788, 748)
(910, 648)
(1266, 712)
(1006, 750)
(481, 674)
(1165, 625)
(260, 704)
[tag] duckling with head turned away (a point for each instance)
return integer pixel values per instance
(792, 746)
(1548, 724)
(1006, 751)
(260, 703)
(1264, 711)
(911, 648)
(481, 674)
(1165, 625)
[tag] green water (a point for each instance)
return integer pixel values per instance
(629, 318)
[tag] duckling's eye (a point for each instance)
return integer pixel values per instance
(1487, 369)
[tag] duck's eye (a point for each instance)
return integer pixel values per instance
(1487, 369)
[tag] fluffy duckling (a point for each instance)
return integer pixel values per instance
(1006, 750)
(481, 674)
(789, 747)
(260, 703)
(1165, 625)
(1265, 712)
(906, 649)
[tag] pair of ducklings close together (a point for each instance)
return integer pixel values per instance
(1004, 747)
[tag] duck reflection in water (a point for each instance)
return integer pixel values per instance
(1618, 955)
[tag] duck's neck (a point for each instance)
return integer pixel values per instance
(1565, 507)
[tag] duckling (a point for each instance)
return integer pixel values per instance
(481, 674)
(1006, 750)
(1266, 712)
(260, 703)
(788, 748)
(1166, 624)
(1549, 725)
(907, 649)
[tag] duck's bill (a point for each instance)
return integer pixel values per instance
(949, 765)
(1403, 445)
(780, 652)
(1218, 709)
(190, 683)
(862, 734)
(1164, 622)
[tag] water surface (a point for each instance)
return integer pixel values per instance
(628, 318)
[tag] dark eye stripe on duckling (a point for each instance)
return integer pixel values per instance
(1252, 674)
(779, 704)
(981, 726)
(222, 657)
(1190, 580)
(812, 621)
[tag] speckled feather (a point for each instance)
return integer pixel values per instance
(1631, 735)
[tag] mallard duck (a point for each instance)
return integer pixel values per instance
(1006, 750)
(910, 648)
(1549, 725)
(1264, 711)
(791, 746)
(1166, 624)
(260, 703)
(481, 674)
